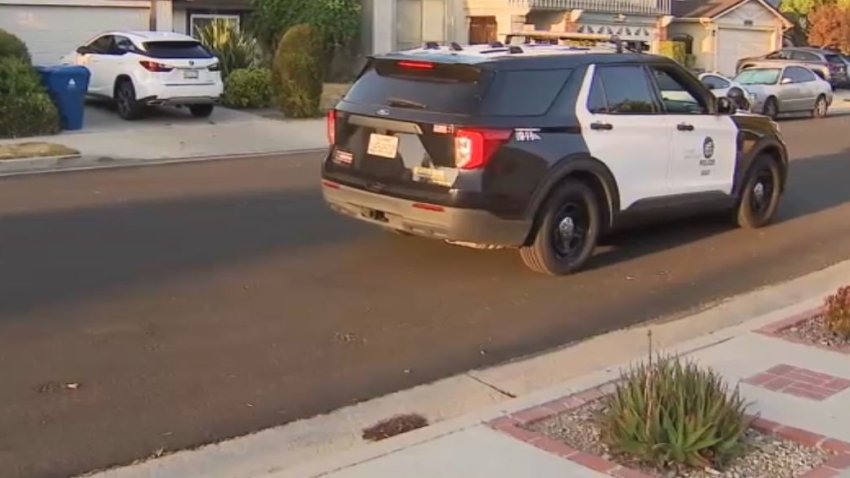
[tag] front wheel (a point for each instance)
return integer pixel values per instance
(568, 231)
(761, 193)
(821, 107)
(201, 111)
(771, 108)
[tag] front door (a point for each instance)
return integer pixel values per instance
(95, 60)
(618, 116)
(482, 30)
(703, 148)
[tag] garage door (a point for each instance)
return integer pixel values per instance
(51, 32)
(735, 44)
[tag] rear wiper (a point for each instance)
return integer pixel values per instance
(406, 103)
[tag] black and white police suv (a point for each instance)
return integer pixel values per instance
(542, 148)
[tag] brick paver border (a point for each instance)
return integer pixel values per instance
(775, 330)
(800, 382)
(516, 426)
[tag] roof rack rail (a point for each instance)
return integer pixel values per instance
(455, 46)
(497, 44)
(535, 36)
(431, 45)
(513, 49)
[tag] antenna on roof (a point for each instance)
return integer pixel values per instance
(455, 46)
(432, 45)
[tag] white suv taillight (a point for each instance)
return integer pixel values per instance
(475, 147)
(155, 67)
(331, 127)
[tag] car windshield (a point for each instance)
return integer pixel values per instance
(758, 76)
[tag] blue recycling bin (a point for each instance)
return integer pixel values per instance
(67, 86)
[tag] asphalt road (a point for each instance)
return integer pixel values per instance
(166, 307)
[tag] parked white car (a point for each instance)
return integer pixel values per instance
(722, 86)
(786, 89)
(140, 69)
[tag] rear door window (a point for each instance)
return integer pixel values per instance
(176, 50)
(626, 90)
(803, 56)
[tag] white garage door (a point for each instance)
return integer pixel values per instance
(51, 32)
(733, 45)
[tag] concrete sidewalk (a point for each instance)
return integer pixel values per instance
(171, 135)
(477, 419)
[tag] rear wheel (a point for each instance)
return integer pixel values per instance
(201, 111)
(568, 231)
(128, 106)
(771, 108)
(821, 107)
(761, 193)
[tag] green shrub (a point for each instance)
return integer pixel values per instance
(299, 72)
(12, 46)
(338, 21)
(25, 107)
(673, 413)
(837, 313)
(674, 50)
(234, 49)
(248, 88)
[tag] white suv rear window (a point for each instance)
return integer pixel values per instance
(176, 49)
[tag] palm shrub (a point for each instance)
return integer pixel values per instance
(12, 46)
(25, 107)
(234, 48)
(298, 72)
(837, 312)
(672, 413)
(248, 88)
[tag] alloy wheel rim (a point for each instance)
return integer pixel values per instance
(569, 233)
(761, 194)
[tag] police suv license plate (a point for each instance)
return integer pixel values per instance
(190, 74)
(383, 145)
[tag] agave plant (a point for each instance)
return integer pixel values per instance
(673, 413)
(233, 47)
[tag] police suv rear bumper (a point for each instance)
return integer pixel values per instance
(427, 220)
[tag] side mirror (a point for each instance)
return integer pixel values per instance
(83, 50)
(786, 81)
(725, 106)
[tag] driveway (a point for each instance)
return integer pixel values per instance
(101, 117)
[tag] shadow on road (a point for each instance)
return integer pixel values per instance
(74, 254)
(814, 185)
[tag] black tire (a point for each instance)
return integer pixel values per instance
(771, 108)
(760, 196)
(821, 107)
(567, 233)
(126, 103)
(201, 111)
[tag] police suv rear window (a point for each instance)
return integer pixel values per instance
(457, 88)
(176, 50)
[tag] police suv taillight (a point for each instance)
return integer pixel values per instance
(475, 147)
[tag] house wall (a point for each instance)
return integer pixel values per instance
(703, 42)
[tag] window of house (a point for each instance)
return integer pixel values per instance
(420, 21)
(199, 21)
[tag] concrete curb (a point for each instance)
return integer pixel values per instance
(320, 445)
(58, 164)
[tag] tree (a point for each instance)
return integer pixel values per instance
(338, 21)
(829, 27)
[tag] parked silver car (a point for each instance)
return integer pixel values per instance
(722, 86)
(786, 89)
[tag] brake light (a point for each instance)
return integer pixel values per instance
(331, 124)
(155, 66)
(475, 147)
(415, 65)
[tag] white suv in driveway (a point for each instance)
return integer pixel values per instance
(141, 69)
